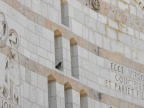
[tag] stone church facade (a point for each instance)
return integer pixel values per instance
(71, 54)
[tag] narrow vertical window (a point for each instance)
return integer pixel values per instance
(83, 99)
(52, 92)
(74, 58)
(58, 50)
(64, 12)
(55, 93)
(68, 95)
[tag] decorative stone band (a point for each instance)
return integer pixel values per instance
(106, 9)
(80, 41)
(140, 3)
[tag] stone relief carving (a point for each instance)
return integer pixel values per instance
(9, 72)
(13, 39)
(11, 80)
(3, 29)
(95, 4)
(10, 89)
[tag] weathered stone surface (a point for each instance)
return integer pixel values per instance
(108, 52)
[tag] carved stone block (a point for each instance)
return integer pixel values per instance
(3, 29)
(95, 4)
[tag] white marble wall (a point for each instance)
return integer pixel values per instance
(37, 44)
(91, 25)
(34, 90)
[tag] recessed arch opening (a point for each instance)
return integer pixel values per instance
(58, 50)
(65, 12)
(74, 57)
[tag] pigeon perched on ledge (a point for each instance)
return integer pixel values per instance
(59, 65)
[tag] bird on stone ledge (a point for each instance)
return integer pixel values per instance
(59, 65)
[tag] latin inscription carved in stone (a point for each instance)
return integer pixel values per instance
(7, 104)
(125, 80)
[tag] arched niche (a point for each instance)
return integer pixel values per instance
(67, 86)
(58, 50)
(83, 93)
(51, 78)
(63, 1)
(83, 99)
(74, 58)
(57, 33)
(65, 12)
(73, 42)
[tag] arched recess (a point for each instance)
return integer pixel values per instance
(65, 12)
(83, 93)
(51, 90)
(67, 86)
(58, 50)
(68, 94)
(55, 93)
(57, 33)
(83, 99)
(51, 78)
(74, 58)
